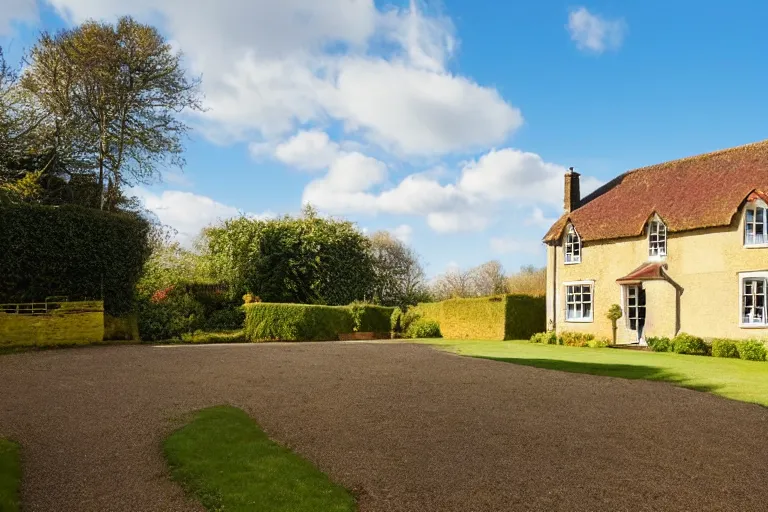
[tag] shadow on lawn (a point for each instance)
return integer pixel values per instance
(624, 371)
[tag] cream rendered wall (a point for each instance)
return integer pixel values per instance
(705, 263)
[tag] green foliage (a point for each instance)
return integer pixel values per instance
(296, 322)
(228, 463)
(492, 318)
(72, 251)
(307, 260)
(356, 310)
(753, 350)
(545, 338)
(614, 313)
(232, 336)
(725, 348)
(231, 317)
(169, 314)
(576, 339)
(423, 328)
(375, 318)
(395, 321)
(10, 476)
(410, 317)
(685, 343)
(599, 343)
(659, 344)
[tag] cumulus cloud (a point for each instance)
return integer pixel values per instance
(270, 68)
(309, 150)
(188, 213)
(595, 33)
(16, 11)
(403, 232)
(538, 219)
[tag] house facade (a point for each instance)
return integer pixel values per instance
(680, 246)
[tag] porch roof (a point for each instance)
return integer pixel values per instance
(645, 272)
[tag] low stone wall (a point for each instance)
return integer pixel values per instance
(60, 323)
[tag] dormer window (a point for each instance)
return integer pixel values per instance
(572, 246)
(657, 238)
(756, 223)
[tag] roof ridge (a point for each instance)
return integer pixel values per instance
(717, 152)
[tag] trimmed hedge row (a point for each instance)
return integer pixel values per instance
(504, 317)
(266, 321)
(570, 339)
(749, 350)
(71, 251)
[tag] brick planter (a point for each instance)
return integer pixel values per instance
(351, 336)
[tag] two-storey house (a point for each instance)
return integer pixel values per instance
(681, 246)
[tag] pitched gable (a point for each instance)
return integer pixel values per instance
(692, 193)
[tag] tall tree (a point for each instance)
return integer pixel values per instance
(488, 279)
(121, 89)
(399, 274)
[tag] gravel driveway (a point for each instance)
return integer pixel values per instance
(406, 427)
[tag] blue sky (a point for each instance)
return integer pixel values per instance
(448, 123)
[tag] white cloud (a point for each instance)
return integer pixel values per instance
(309, 150)
(403, 232)
(270, 68)
(343, 188)
(594, 33)
(18, 11)
(188, 213)
(538, 219)
(509, 245)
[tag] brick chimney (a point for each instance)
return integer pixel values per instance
(572, 191)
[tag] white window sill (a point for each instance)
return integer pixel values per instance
(657, 257)
(753, 326)
(755, 246)
(572, 262)
(579, 320)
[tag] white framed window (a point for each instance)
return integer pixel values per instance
(579, 305)
(572, 246)
(657, 238)
(754, 298)
(634, 307)
(756, 224)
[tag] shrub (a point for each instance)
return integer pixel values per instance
(250, 298)
(725, 348)
(423, 328)
(235, 336)
(576, 339)
(375, 318)
(296, 322)
(231, 317)
(410, 317)
(659, 344)
(395, 324)
(72, 251)
(752, 350)
(545, 338)
(688, 344)
(599, 343)
(168, 315)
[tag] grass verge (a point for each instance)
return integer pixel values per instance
(746, 381)
(225, 460)
(10, 476)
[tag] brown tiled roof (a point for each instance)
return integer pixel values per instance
(695, 192)
(645, 272)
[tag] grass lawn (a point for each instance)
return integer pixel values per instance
(228, 463)
(732, 378)
(10, 476)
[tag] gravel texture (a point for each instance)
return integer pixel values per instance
(405, 427)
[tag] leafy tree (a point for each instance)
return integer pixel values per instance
(399, 274)
(113, 93)
(305, 259)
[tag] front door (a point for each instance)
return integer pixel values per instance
(636, 309)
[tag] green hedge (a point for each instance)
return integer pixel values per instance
(266, 321)
(71, 251)
(504, 317)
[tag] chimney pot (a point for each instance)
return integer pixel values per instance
(572, 191)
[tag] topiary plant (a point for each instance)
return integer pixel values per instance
(725, 348)
(614, 313)
(753, 350)
(688, 344)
